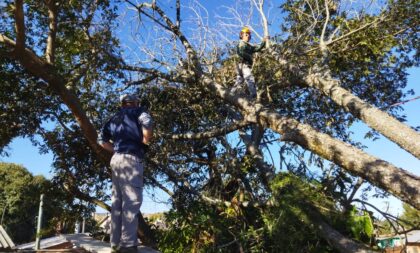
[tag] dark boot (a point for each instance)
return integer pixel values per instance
(132, 249)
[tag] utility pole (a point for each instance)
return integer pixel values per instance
(83, 225)
(38, 229)
(2, 216)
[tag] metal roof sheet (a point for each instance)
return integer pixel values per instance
(44, 243)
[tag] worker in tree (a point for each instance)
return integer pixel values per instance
(245, 51)
(126, 135)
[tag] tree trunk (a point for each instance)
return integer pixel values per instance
(39, 68)
(380, 173)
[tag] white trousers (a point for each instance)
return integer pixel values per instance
(127, 197)
(244, 76)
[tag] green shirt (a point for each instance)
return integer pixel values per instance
(246, 50)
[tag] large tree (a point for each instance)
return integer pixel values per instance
(19, 203)
(328, 65)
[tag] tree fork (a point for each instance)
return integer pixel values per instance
(399, 182)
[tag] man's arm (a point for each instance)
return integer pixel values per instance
(147, 135)
(108, 146)
(261, 46)
(146, 123)
(104, 138)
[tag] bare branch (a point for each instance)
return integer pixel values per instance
(322, 45)
(192, 56)
(163, 188)
(139, 8)
(178, 14)
(153, 73)
(355, 189)
(384, 214)
(260, 8)
(216, 131)
(7, 41)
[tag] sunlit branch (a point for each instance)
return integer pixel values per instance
(217, 131)
(260, 8)
(52, 24)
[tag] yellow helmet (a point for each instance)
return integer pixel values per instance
(245, 29)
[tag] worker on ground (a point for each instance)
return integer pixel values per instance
(246, 51)
(126, 135)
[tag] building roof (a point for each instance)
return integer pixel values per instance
(45, 243)
(413, 236)
(5, 241)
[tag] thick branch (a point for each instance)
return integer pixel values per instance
(253, 148)
(400, 183)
